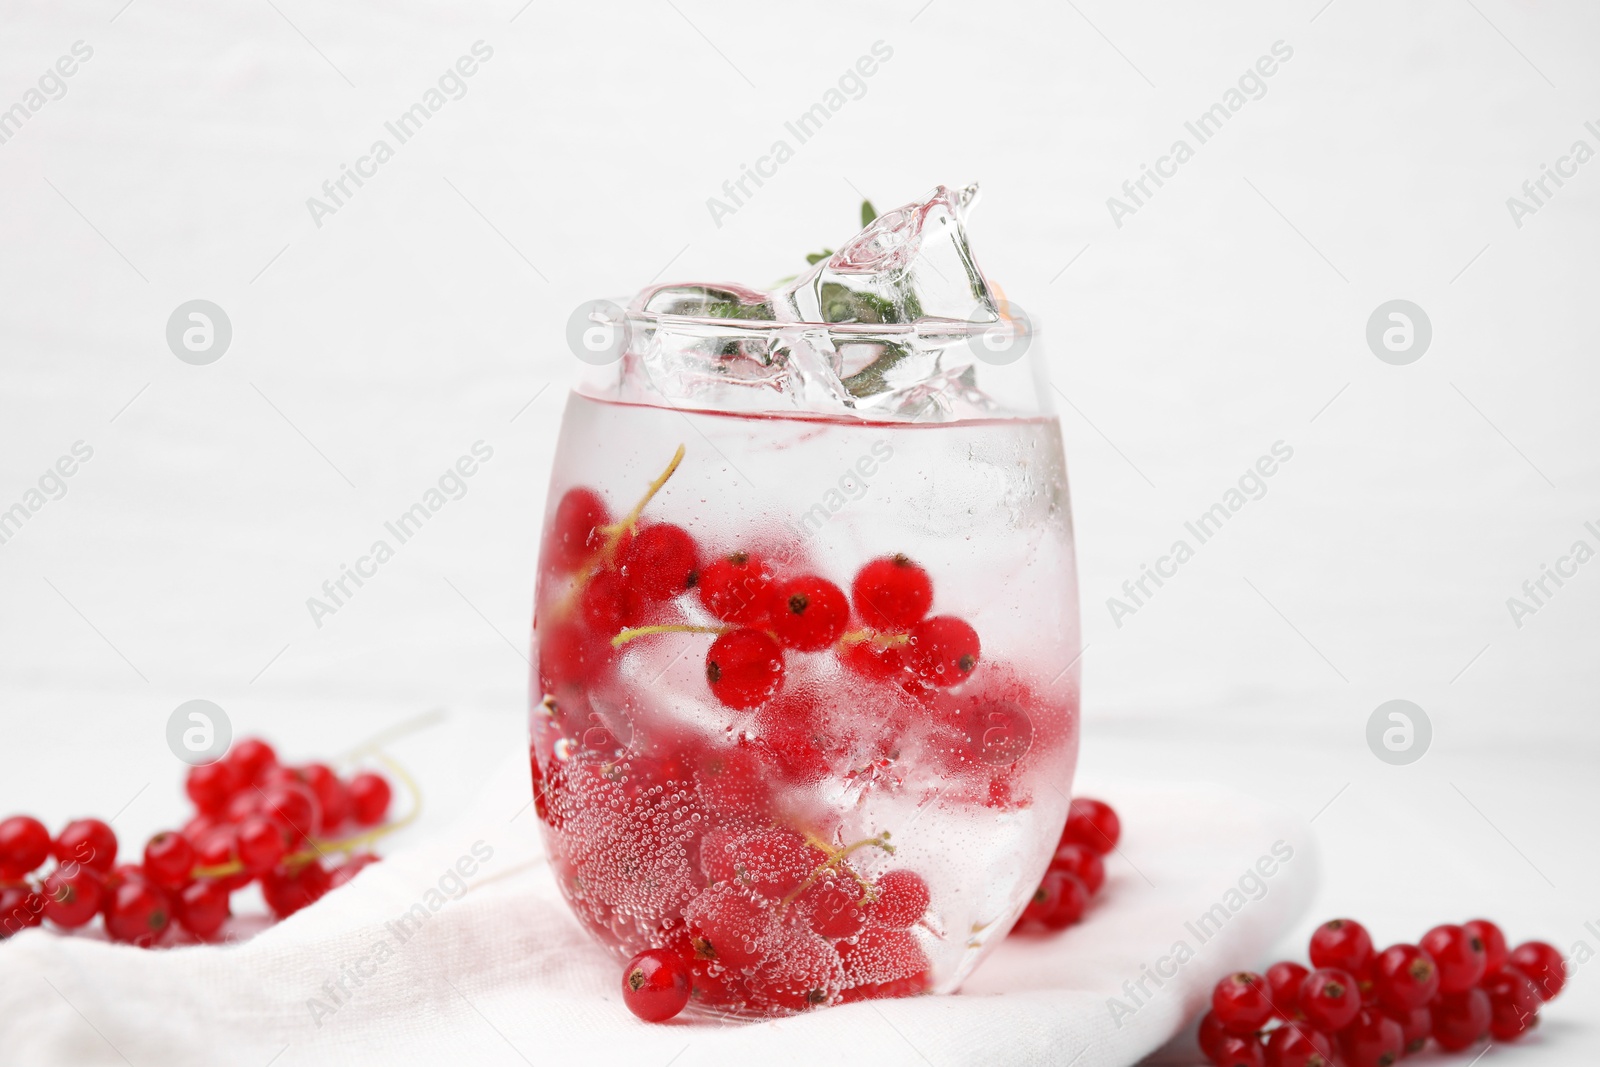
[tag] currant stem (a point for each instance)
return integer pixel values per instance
(834, 856)
(603, 555)
(666, 628)
(855, 637)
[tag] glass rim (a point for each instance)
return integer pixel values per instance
(927, 327)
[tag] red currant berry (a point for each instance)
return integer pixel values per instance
(220, 849)
(211, 785)
(260, 844)
(808, 613)
(1372, 1040)
(369, 798)
(20, 908)
(832, 905)
(1404, 977)
(728, 927)
(1544, 965)
(1415, 1026)
(655, 985)
(72, 896)
(1059, 902)
(1461, 957)
(661, 562)
(607, 603)
(333, 803)
(1283, 988)
(1236, 1051)
(902, 899)
(1211, 1036)
(24, 845)
(1092, 823)
(1513, 1004)
(570, 653)
(287, 891)
(203, 908)
(737, 589)
(744, 668)
(1341, 943)
(772, 863)
(169, 859)
(292, 807)
(892, 593)
(1461, 1020)
(138, 912)
(250, 759)
(245, 803)
(88, 842)
(1494, 943)
(1329, 999)
(942, 650)
(1298, 1045)
(1240, 1001)
(1083, 862)
(733, 783)
(576, 533)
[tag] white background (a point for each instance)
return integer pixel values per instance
(429, 313)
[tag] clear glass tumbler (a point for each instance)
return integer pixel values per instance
(805, 703)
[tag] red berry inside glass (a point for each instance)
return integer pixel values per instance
(576, 535)
(902, 899)
(744, 668)
(942, 651)
(661, 562)
(892, 593)
(736, 588)
(808, 613)
(656, 985)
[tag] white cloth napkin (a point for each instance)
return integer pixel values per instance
(491, 969)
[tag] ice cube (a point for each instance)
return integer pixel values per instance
(722, 301)
(909, 264)
(815, 344)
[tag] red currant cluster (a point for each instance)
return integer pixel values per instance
(628, 572)
(785, 923)
(1076, 871)
(256, 819)
(702, 838)
(1361, 1008)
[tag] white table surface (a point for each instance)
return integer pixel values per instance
(429, 313)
